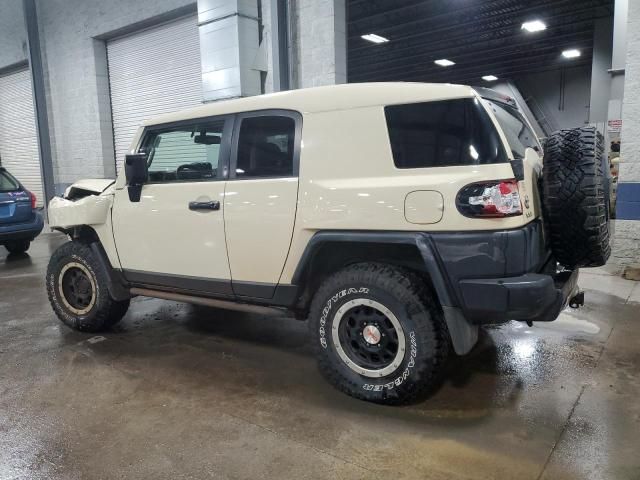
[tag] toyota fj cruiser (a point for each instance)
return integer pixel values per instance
(397, 218)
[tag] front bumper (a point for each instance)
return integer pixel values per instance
(22, 231)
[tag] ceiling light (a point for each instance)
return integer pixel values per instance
(534, 26)
(372, 37)
(572, 53)
(490, 78)
(443, 62)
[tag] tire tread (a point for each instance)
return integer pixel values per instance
(573, 199)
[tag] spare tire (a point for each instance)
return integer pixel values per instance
(574, 197)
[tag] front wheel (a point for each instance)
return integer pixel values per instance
(77, 287)
(378, 333)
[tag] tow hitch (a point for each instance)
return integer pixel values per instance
(577, 300)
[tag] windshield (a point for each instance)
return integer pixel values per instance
(7, 182)
(519, 135)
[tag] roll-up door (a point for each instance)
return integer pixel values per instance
(152, 72)
(18, 136)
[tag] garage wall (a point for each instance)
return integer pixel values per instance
(73, 34)
(627, 239)
(319, 43)
(13, 36)
(545, 89)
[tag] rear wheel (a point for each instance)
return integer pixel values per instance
(78, 290)
(378, 334)
(18, 246)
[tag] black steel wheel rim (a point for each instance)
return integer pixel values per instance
(77, 288)
(362, 322)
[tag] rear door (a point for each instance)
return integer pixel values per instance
(15, 202)
(524, 146)
(261, 198)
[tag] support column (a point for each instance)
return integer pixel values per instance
(280, 41)
(600, 76)
(627, 236)
(320, 43)
(232, 60)
(39, 98)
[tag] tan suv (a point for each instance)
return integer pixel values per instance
(397, 218)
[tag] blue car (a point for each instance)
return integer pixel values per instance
(20, 222)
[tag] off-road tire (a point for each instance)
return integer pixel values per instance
(574, 198)
(104, 312)
(407, 297)
(17, 246)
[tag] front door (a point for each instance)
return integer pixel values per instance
(174, 236)
(261, 199)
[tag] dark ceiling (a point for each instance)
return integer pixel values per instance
(482, 36)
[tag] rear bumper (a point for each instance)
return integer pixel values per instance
(494, 277)
(22, 231)
(531, 297)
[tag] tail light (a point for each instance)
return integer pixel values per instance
(33, 199)
(490, 199)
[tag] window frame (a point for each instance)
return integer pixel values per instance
(225, 145)
(274, 112)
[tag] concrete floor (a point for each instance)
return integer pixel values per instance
(183, 392)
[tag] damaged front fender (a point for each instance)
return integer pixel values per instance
(85, 188)
(91, 210)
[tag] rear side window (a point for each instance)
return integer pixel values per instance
(519, 135)
(442, 134)
(8, 183)
(266, 147)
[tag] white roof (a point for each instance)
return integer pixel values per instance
(322, 99)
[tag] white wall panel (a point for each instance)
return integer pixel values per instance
(152, 72)
(18, 137)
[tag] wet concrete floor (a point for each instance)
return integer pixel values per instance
(179, 392)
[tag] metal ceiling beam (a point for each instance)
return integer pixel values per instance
(514, 49)
(500, 69)
(465, 37)
(457, 26)
(477, 81)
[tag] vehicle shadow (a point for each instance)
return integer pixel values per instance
(276, 351)
(15, 261)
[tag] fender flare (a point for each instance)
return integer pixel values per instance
(118, 286)
(463, 333)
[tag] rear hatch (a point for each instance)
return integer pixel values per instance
(15, 201)
(525, 148)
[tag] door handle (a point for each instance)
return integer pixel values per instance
(212, 205)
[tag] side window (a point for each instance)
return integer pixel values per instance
(519, 135)
(265, 147)
(185, 153)
(443, 133)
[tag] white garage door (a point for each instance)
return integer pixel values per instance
(152, 72)
(18, 137)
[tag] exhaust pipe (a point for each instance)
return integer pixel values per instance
(577, 300)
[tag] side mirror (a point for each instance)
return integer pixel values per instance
(135, 171)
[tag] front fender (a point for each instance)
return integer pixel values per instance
(91, 210)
